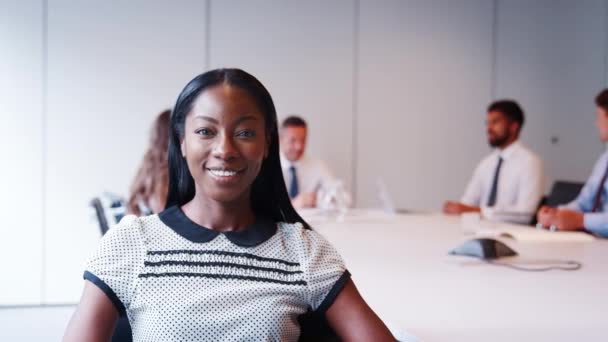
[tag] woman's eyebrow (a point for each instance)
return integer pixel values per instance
(246, 118)
(207, 118)
(238, 121)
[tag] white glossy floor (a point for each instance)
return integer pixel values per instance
(29, 324)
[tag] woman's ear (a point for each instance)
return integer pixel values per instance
(182, 147)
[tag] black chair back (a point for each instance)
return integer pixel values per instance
(109, 210)
(563, 192)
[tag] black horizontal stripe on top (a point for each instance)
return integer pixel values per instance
(225, 264)
(221, 276)
(225, 253)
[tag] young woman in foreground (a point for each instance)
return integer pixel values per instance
(229, 259)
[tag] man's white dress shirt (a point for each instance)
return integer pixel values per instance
(311, 173)
(520, 183)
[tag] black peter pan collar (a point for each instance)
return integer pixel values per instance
(258, 232)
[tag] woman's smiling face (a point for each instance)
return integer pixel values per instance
(224, 143)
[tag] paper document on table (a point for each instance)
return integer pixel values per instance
(530, 234)
(500, 215)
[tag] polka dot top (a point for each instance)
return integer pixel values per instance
(178, 281)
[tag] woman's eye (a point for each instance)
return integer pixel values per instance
(246, 134)
(205, 132)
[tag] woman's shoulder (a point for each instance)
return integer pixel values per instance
(137, 233)
(292, 229)
(135, 226)
(128, 228)
(300, 233)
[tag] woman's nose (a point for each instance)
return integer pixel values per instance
(225, 147)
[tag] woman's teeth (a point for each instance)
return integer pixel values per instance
(223, 173)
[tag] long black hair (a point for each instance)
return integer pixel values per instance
(268, 192)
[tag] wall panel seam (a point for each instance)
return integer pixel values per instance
(43, 166)
(355, 99)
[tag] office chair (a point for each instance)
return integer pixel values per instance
(109, 210)
(314, 327)
(563, 192)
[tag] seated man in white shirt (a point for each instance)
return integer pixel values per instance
(589, 210)
(507, 184)
(303, 175)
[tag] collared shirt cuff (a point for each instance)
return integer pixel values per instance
(596, 223)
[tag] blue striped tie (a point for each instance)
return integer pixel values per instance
(293, 186)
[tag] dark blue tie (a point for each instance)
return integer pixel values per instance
(293, 186)
(492, 198)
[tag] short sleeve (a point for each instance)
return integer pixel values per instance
(116, 264)
(325, 271)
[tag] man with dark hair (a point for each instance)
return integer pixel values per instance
(589, 210)
(508, 184)
(303, 175)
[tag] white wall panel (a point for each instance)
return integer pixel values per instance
(113, 65)
(551, 57)
(302, 51)
(21, 139)
(424, 84)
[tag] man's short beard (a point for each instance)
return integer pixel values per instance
(499, 141)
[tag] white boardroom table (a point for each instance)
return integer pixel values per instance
(400, 264)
